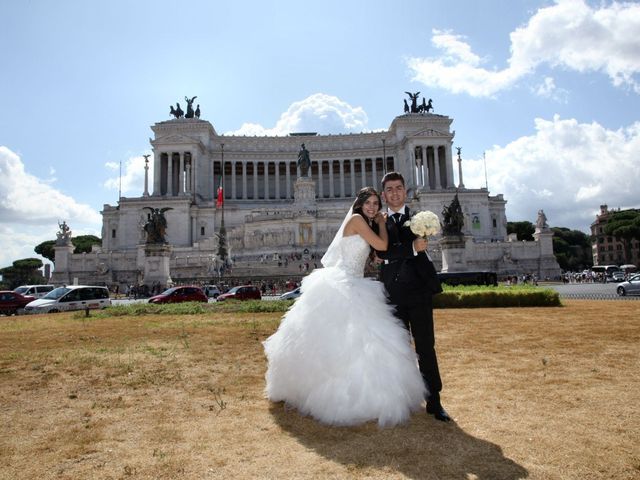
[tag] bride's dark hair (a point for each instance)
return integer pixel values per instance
(362, 196)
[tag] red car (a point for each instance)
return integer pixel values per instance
(180, 294)
(243, 292)
(11, 302)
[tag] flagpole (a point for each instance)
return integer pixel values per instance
(486, 181)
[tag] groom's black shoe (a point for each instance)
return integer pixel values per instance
(438, 412)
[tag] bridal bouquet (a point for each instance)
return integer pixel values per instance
(424, 224)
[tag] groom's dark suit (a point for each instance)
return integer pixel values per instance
(411, 281)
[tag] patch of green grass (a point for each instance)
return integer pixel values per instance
(193, 308)
(461, 296)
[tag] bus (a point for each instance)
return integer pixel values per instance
(606, 271)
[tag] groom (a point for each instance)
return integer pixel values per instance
(411, 280)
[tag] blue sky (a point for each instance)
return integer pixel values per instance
(549, 90)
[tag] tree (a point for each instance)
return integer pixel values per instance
(22, 272)
(82, 244)
(46, 250)
(524, 230)
(572, 249)
(625, 226)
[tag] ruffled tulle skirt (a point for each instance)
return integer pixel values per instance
(341, 356)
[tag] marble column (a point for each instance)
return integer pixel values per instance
(352, 171)
(363, 165)
(342, 194)
(277, 179)
(374, 173)
(288, 178)
(157, 172)
(234, 189)
(422, 165)
(255, 180)
(436, 164)
(189, 186)
(181, 174)
(194, 175)
(243, 165)
(320, 189)
(170, 175)
(331, 179)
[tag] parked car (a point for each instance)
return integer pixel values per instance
(180, 294)
(73, 297)
(630, 287)
(617, 276)
(12, 302)
(243, 292)
(212, 291)
(36, 291)
(295, 293)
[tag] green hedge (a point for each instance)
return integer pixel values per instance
(496, 297)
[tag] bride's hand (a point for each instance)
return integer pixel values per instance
(380, 218)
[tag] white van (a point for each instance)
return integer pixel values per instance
(73, 297)
(211, 291)
(36, 291)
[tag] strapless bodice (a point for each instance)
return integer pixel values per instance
(354, 252)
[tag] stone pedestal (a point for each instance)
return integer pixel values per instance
(304, 192)
(547, 264)
(453, 253)
(156, 265)
(62, 267)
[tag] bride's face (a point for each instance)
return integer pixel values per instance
(371, 206)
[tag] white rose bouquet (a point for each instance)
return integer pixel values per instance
(424, 224)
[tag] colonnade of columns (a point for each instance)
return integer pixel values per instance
(174, 173)
(273, 179)
(432, 167)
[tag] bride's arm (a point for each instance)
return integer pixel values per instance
(358, 225)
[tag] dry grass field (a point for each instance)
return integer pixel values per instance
(538, 393)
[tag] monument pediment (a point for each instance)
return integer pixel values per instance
(175, 139)
(428, 132)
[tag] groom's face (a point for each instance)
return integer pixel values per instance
(394, 194)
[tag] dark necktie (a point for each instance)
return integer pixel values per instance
(396, 217)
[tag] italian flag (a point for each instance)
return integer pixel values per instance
(220, 199)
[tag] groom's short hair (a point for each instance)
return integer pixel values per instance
(392, 176)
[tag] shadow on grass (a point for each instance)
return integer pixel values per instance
(423, 449)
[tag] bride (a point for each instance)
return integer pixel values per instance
(339, 354)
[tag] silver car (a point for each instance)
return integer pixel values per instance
(292, 295)
(630, 287)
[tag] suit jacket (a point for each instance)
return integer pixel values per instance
(408, 278)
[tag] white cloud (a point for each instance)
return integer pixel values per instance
(566, 168)
(132, 181)
(319, 113)
(548, 89)
(569, 34)
(30, 209)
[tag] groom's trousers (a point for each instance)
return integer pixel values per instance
(418, 319)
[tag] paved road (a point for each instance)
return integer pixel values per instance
(590, 291)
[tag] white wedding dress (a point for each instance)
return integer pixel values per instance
(339, 354)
